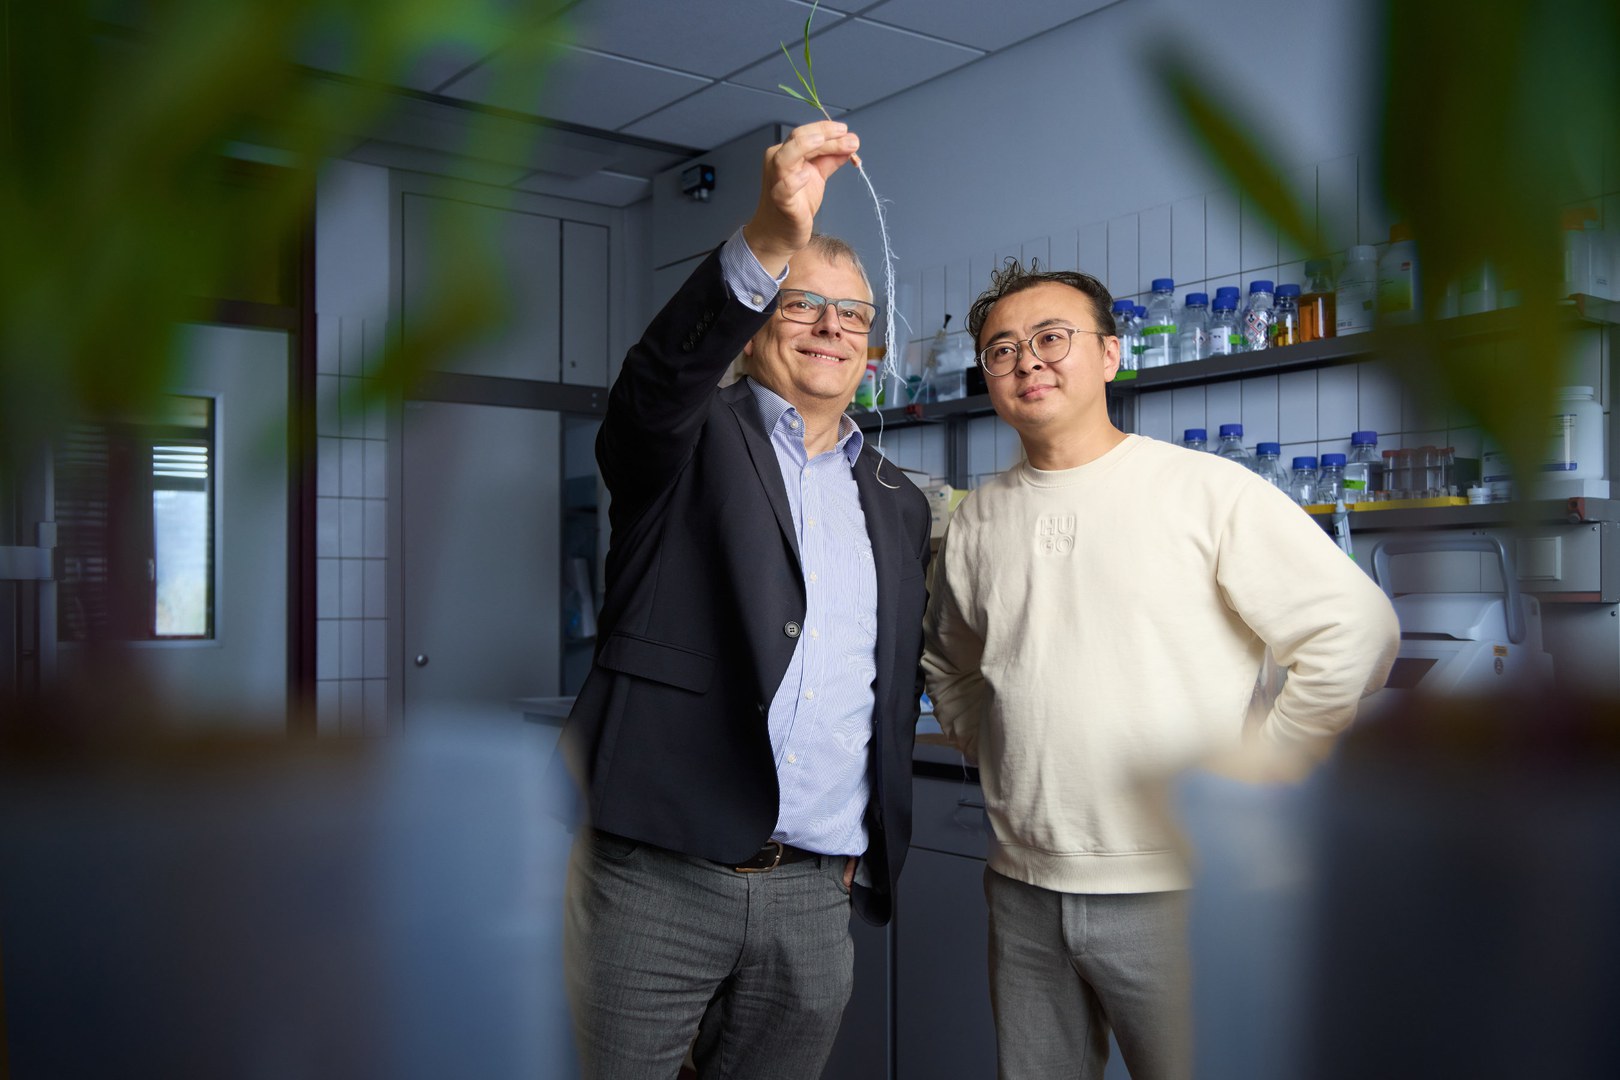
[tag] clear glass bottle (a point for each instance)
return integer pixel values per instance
(1330, 480)
(1285, 317)
(1391, 488)
(1302, 482)
(1125, 330)
(1232, 446)
(1316, 304)
(1447, 460)
(1363, 469)
(1268, 463)
(1258, 315)
(1225, 335)
(1356, 298)
(1160, 328)
(1195, 438)
(1192, 341)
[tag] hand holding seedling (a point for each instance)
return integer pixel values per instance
(791, 187)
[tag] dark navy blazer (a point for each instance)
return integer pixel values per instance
(705, 600)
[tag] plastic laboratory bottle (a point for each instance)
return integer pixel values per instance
(1258, 315)
(1356, 298)
(1330, 480)
(1195, 438)
(1363, 469)
(1285, 317)
(1268, 463)
(1139, 320)
(1192, 341)
(1159, 329)
(1575, 451)
(1399, 298)
(1585, 266)
(1302, 483)
(1225, 336)
(1232, 446)
(1316, 303)
(1125, 330)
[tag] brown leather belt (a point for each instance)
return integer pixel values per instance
(773, 854)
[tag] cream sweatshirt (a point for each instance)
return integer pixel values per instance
(1092, 631)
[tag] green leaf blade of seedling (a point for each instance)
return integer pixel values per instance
(789, 90)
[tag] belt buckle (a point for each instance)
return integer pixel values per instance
(777, 861)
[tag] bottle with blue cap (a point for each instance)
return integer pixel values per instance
(1302, 485)
(1125, 330)
(1225, 327)
(1195, 438)
(1192, 340)
(1232, 446)
(1139, 344)
(1363, 469)
(1258, 316)
(1330, 480)
(1285, 317)
(1160, 327)
(1268, 464)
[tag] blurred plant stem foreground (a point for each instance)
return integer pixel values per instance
(121, 200)
(1491, 119)
(158, 160)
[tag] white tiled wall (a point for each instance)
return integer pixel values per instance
(1217, 239)
(351, 542)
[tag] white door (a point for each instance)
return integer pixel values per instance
(480, 543)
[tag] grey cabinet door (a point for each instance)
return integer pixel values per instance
(518, 253)
(480, 539)
(862, 1049)
(585, 311)
(943, 1025)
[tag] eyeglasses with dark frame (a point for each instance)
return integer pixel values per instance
(804, 306)
(1048, 346)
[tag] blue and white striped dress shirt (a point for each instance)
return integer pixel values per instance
(821, 717)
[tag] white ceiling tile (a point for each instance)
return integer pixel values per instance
(576, 86)
(981, 25)
(715, 116)
(684, 35)
(859, 62)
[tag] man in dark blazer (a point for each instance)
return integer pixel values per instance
(744, 738)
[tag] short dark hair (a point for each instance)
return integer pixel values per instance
(1015, 277)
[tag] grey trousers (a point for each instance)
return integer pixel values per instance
(1067, 967)
(659, 946)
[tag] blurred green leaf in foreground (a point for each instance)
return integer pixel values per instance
(1492, 118)
(122, 208)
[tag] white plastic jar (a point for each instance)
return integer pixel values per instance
(1575, 448)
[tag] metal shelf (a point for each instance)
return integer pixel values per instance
(1423, 337)
(1530, 512)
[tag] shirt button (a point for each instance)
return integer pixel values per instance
(809, 695)
(759, 301)
(811, 522)
(812, 575)
(815, 633)
(793, 759)
(791, 629)
(794, 425)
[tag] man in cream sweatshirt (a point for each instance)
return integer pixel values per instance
(1098, 618)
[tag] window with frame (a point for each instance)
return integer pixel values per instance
(135, 510)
